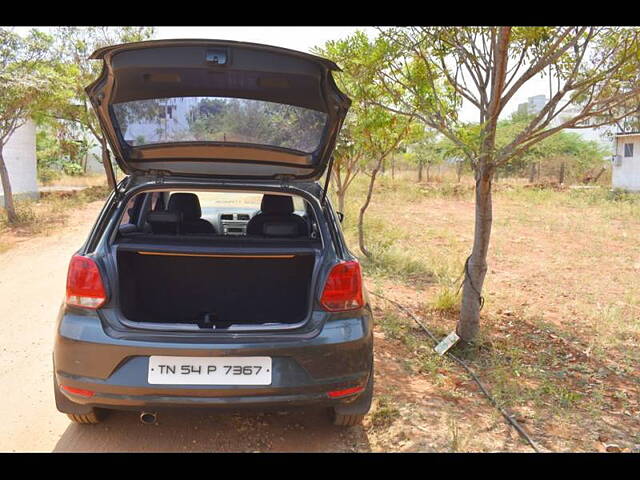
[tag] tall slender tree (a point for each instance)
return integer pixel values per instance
(377, 131)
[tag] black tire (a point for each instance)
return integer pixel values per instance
(351, 415)
(347, 420)
(87, 419)
(77, 413)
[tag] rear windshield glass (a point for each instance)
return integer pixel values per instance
(219, 119)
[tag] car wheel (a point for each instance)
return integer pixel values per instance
(347, 420)
(85, 419)
(77, 413)
(352, 414)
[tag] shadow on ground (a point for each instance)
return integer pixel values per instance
(304, 430)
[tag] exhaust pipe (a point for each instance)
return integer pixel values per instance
(148, 418)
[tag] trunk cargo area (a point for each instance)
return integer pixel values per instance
(214, 290)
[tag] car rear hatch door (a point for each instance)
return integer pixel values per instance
(218, 108)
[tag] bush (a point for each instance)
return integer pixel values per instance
(72, 169)
(447, 300)
(48, 175)
(25, 214)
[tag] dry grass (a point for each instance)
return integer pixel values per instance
(90, 180)
(561, 321)
(49, 212)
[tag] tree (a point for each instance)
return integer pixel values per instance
(348, 158)
(428, 151)
(29, 83)
(74, 46)
(428, 73)
(378, 131)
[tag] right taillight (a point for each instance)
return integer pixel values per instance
(343, 288)
(84, 283)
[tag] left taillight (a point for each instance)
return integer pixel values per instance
(343, 288)
(84, 283)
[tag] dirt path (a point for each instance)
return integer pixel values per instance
(32, 277)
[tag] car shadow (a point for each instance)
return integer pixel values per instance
(299, 430)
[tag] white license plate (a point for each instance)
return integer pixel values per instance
(209, 370)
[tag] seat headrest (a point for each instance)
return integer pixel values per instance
(281, 229)
(164, 222)
(186, 203)
(276, 204)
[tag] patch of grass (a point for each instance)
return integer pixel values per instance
(392, 325)
(397, 327)
(385, 413)
(430, 363)
(446, 300)
(448, 190)
(457, 440)
(557, 395)
(51, 210)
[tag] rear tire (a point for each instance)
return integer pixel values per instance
(77, 413)
(347, 420)
(87, 419)
(351, 415)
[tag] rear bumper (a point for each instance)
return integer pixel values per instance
(339, 357)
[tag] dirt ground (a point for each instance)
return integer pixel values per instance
(560, 326)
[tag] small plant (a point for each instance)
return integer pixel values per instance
(392, 326)
(72, 169)
(25, 214)
(48, 175)
(384, 414)
(457, 441)
(447, 300)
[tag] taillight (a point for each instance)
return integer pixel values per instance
(84, 283)
(78, 391)
(345, 392)
(343, 289)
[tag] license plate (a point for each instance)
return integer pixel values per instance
(209, 370)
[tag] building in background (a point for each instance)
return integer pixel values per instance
(20, 158)
(625, 173)
(602, 135)
(533, 105)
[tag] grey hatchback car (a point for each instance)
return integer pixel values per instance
(216, 274)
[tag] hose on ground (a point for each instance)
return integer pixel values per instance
(512, 421)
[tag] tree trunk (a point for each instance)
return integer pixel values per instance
(469, 321)
(340, 194)
(106, 163)
(597, 177)
(428, 172)
(364, 207)
(561, 174)
(6, 190)
(393, 168)
(459, 171)
(532, 174)
(420, 165)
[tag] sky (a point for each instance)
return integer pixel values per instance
(305, 38)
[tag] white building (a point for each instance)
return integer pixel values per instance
(625, 172)
(19, 155)
(533, 105)
(171, 120)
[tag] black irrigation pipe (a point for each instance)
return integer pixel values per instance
(460, 362)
